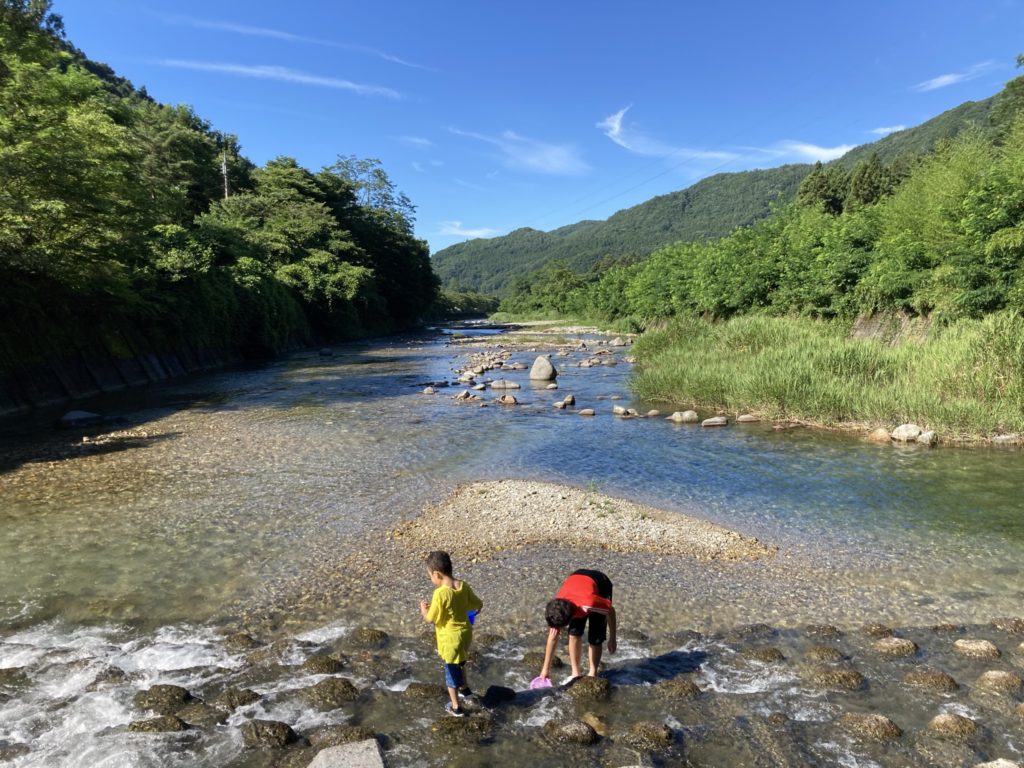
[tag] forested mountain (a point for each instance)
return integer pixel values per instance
(711, 208)
(130, 224)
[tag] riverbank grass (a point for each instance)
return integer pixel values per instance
(965, 381)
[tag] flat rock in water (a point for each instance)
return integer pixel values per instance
(504, 384)
(684, 417)
(880, 435)
(359, 754)
(905, 433)
(976, 649)
(715, 421)
(746, 418)
(585, 412)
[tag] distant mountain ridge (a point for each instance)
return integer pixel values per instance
(711, 208)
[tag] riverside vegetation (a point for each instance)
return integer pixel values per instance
(761, 319)
(130, 225)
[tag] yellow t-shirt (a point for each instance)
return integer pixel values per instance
(449, 609)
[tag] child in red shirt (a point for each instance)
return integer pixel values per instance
(585, 598)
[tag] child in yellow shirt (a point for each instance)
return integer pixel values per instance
(448, 611)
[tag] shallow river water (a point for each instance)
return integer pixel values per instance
(239, 493)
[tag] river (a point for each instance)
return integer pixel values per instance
(231, 493)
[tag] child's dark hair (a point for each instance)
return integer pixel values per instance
(440, 561)
(558, 613)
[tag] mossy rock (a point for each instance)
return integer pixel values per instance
(365, 637)
(162, 724)
(649, 736)
(233, 698)
(677, 689)
(895, 646)
(335, 735)
(765, 655)
(841, 678)
(202, 715)
(14, 678)
(163, 699)
(1000, 681)
(418, 690)
(330, 693)
(825, 653)
(750, 632)
(874, 629)
(1012, 624)
(322, 664)
(13, 751)
(109, 676)
(570, 732)
(240, 642)
(952, 727)
(823, 630)
(777, 719)
(930, 680)
(535, 660)
(976, 649)
(474, 728)
(871, 726)
(267, 734)
(590, 689)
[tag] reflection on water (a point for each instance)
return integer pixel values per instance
(247, 477)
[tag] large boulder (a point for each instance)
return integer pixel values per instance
(163, 699)
(570, 731)
(267, 734)
(543, 370)
(330, 693)
(906, 433)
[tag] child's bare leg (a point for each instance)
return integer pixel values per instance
(453, 694)
(575, 651)
(594, 657)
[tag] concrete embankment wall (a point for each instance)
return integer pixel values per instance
(38, 372)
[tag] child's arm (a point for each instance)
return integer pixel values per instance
(613, 625)
(549, 651)
(425, 610)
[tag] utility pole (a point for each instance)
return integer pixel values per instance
(224, 173)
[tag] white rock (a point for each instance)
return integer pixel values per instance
(715, 421)
(928, 438)
(542, 370)
(358, 754)
(905, 433)
(429, 391)
(684, 417)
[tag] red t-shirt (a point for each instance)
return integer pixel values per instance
(581, 591)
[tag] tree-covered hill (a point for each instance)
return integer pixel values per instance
(711, 208)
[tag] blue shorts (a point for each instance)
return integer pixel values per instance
(453, 675)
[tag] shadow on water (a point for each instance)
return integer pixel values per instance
(655, 669)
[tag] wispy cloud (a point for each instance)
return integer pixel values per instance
(282, 74)
(524, 153)
(944, 81)
(455, 228)
(469, 185)
(418, 167)
(806, 151)
(415, 141)
(289, 37)
(885, 130)
(632, 139)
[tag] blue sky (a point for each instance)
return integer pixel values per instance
(497, 116)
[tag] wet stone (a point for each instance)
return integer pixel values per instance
(596, 723)
(14, 678)
(895, 646)
(335, 735)
(777, 719)
(233, 698)
(823, 630)
(1001, 762)
(418, 690)
(322, 664)
(824, 653)
(1014, 625)
(766, 655)
(330, 693)
(976, 649)
(930, 680)
(649, 736)
(1019, 711)
(678, 688)
(947, 629)
(838, 678)
(953, 727)
(365, 637)
(870, 726)
(590, 689)
(202, 715)
(751, 632)
(998, 680)
(474, 728)
(163, 699)
(874, 629)
(570, 731)
(13, 751)
(162, 724)
(267, 734)
(496, 695)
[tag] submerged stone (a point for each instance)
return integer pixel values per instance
(824, 653)
(895, 646)
(874, 629)
(838, 678)
(233, 698)
(871, 726)
(162, 724)
(240, 642)
(767, 655)
(472, 728)
(823, 630)
(163, 699)
(571, 731)
(677, 688)
(649, 736)
(335, 735)
(590, 689)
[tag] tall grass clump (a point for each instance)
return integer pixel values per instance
(965, 380)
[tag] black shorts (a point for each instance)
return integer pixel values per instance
(597, 631)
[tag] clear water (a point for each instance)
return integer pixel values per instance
(248, 481)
